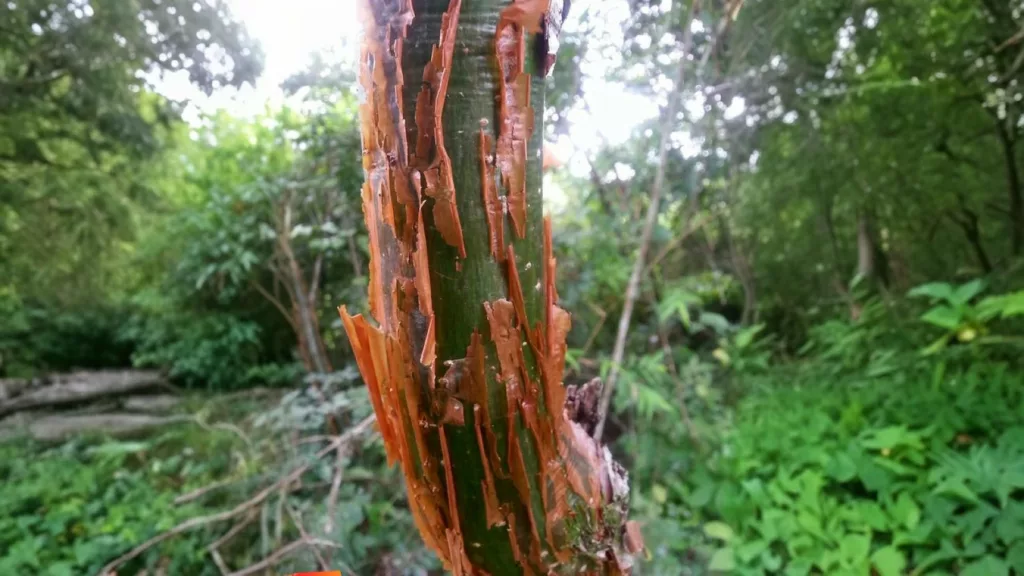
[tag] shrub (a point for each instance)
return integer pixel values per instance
(919, 469)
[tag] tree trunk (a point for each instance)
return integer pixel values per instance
(872, 261)
(1013, 188)
(465, 364)
(865, 249)
(967, 220)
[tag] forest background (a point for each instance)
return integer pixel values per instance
(822, 372)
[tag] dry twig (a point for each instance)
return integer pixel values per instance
(332, 496)
(350, 435)
(280, 553)
(202, 491)
(297, 520)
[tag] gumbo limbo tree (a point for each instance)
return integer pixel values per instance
(465, 358)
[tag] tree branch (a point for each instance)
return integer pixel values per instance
(349, 436)
(277, 304)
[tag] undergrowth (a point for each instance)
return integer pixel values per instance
(877, 453)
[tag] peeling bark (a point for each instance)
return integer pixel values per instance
(464, 365)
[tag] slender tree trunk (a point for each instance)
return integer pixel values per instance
(1013, 188)
(303, 298)
(741, 268)
(967, 220)
(633, 286)
(828, 222)
(464, 365)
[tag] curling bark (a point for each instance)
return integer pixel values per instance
(464, 360)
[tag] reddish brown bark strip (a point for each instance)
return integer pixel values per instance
(432, 157)
(492, 204)
(514, 112)
(526, 13)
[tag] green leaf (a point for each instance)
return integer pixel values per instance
(889, 561)
(722, 561)
(934, 290)
(1015, 556)
(716, 321)
(1004, 306)
(956, 487)
(872, 515)
(60, 569)
(702, 495)
(906, 511)
(750, 550)
(943, 317)
(890, 437)
(964, 293)
(986, 566)
(1010, 525)
(799, 567)
(841, 467)
(719, 531)
(946, 552)
(771, 562)
(746, 336)
(855, 547)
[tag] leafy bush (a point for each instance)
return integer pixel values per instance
(36, 338)
(70, 509)
(73, 508)
(954, 311)
(917, 470)
(211, 349)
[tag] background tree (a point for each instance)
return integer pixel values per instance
(80, 126)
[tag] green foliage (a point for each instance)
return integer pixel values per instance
(38, 339)
(215, 351)
(68, 510)
(71, 509)
(81, 131)
(954, 312)
(915, 469)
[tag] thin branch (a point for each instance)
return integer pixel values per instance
(350, 435)
(632, 288)
(279, 515)
(332, 496)
(241, 525)
(219, 561)
(281, 553)
(597, 328)
(1010, 41)
(674, 243)
(316, 438)
(314, 285)
(273, 559)
(297, 520)
(200, 492)
(277, 304)
(227, 426)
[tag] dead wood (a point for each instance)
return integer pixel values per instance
(77, 388)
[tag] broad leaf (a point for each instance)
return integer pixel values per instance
(943, 317)
(933, 290)
(889, 561)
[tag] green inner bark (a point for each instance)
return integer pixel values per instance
(458, 295)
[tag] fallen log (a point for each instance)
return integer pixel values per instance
(58, 427)
(155, 404)
(10, 387)
(79, 387)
